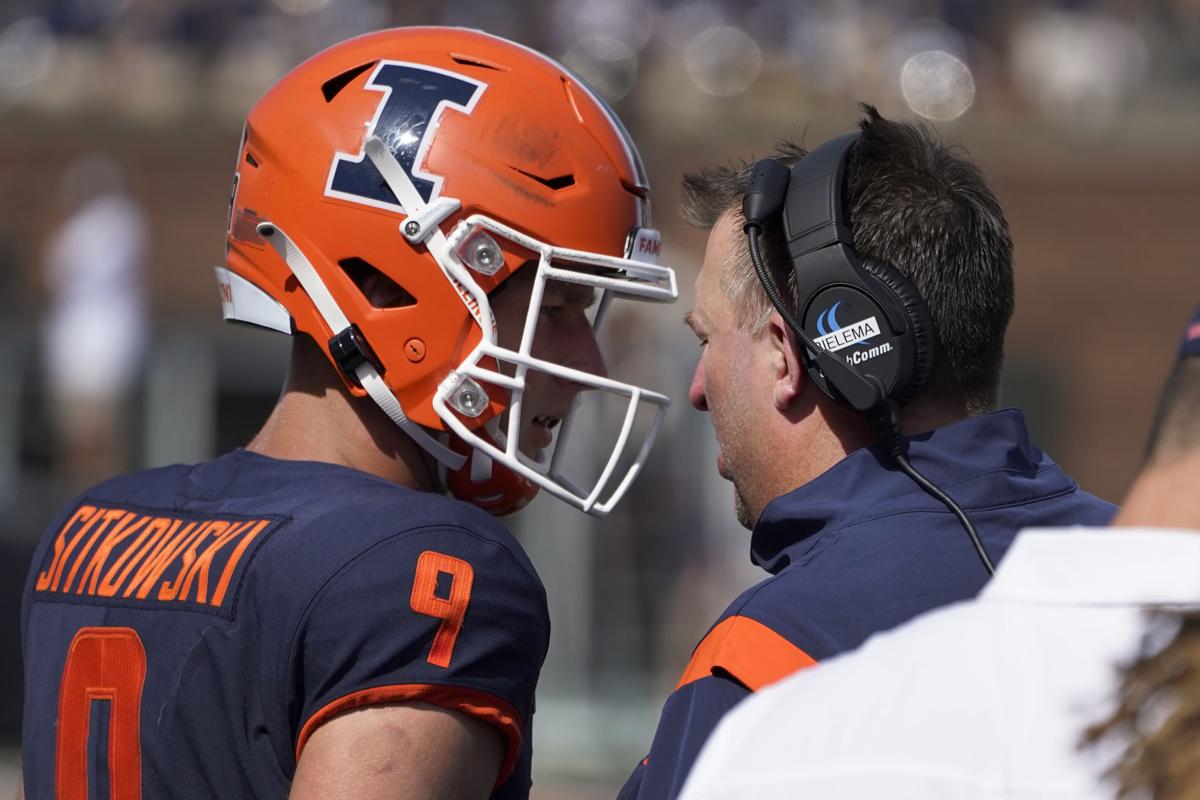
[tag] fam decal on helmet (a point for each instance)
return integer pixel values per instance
(414, 98)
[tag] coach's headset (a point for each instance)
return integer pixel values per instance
(867, 336)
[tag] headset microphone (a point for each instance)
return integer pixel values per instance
(829, 276)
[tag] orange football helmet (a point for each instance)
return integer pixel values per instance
(433, 164)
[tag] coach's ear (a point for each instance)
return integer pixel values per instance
(785, 360)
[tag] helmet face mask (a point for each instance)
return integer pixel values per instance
(403, 173)
(572, 281)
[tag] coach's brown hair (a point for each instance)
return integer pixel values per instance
(914, 203)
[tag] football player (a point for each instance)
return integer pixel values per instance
(441, 219)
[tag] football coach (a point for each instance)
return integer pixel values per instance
(850, 313)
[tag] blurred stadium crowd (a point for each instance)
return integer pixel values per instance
(1080, 62)
(119, 121)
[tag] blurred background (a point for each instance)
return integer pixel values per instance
(119, 123)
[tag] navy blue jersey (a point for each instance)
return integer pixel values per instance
(186, 629)
(860, 550)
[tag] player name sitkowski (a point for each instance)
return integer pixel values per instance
(147, 555)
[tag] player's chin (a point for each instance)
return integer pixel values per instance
(535, 453)
(536, 436)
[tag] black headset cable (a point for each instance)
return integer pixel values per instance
(885, 423)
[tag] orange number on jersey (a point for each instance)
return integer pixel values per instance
(450, 610)
(102, 664)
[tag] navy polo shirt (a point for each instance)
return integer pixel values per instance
(856, 551)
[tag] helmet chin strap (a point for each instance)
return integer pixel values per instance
(366, 373)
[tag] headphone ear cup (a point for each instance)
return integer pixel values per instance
(920, 322)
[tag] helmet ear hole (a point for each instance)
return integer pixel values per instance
(378, 289)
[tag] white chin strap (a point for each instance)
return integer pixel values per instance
(366, 373)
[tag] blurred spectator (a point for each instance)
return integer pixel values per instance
(95, 325)
(1079, 67)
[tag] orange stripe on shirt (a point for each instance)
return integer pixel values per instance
(749, 651)
(480, 705)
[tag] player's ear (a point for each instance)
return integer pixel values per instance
(785, 359)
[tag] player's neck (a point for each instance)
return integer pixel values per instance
(318, 419)
(1164, 496)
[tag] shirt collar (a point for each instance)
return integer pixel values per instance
(1099, 566)
(866, 484)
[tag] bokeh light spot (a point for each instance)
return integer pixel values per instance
(723, 61)
(609, 66)
(937, 85)
(27, 54)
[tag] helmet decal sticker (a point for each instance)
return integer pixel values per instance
(407, 118)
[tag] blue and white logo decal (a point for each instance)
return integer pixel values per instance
(407, 119)
(834, 336)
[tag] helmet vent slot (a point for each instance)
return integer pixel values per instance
(379, 290)
(331, 87)
(476, 61)
(556, 183)
(251, 160)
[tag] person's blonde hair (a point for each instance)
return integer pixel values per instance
(1158, 716)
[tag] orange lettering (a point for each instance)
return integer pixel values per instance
(169, 590)
(105, 518)
(157, 564)
(82, 514)
(199, 568)
(121, 532)
(149, 546)
(154, 545)
(108, 586)
(239, 551)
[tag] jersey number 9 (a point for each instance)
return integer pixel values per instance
(450, 605)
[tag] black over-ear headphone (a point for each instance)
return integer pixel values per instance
(862, 308)
(866, 332)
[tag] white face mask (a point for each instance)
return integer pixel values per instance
(463, 393)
